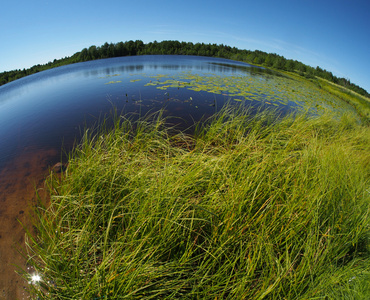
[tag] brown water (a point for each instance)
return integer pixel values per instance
(19, 180)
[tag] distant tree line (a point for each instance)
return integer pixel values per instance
(130, 48)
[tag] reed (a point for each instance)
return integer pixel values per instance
(248, 207)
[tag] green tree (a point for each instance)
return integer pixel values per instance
(289, 65)
(84, 55)
(279, 63)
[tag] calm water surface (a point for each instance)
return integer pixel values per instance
(51, 108)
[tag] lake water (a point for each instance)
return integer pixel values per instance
(45, 112)
(49, 109)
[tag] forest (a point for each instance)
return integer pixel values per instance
(138, 47)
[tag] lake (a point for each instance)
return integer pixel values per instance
(49, 110)
(46, 112)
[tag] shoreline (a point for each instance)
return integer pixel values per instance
(19, 181)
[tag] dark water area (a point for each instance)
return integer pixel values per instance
(49, 110)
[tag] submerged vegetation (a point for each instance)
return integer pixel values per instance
(247, 207)
(129, 48)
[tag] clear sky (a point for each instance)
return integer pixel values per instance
(332, 34)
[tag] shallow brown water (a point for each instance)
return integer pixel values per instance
(19, 180)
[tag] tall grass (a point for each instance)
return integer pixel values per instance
(249, 207)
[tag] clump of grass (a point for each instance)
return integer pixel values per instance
(249, 207)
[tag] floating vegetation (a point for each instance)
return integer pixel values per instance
(151, 84)
(271, 90)
(112, 82)
(164, 87)
(257, 89)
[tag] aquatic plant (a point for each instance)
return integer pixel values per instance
(112, 82)
(274, 91)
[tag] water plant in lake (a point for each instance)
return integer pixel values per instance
(112, 82)
(249, 207)
(271, 90)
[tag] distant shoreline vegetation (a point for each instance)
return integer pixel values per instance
(132, 48)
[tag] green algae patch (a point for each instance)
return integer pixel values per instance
(113, 82)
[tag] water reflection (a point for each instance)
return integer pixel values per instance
(51, 108)
(160, 62)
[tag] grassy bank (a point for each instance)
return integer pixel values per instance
(247, 208)
(359, 102)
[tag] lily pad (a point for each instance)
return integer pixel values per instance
(112, 82)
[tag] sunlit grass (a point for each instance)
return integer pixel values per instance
(249, 207)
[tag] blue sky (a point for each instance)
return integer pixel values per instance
(332, 34)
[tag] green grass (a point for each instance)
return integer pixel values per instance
(359, 102)
(249, 207)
